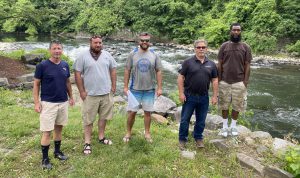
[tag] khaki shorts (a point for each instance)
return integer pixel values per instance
(93, 105)
(234, 94)
(53, 114)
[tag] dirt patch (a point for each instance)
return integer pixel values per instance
(11, 69)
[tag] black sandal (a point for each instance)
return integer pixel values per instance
(105, 141)
(87, 149)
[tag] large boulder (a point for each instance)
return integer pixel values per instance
(280, 146)
(250, 163)
(33, 59)
(163, 104)
(159, 119)
(274, 172)
(213, 122)
(26, 78)
(3, 82)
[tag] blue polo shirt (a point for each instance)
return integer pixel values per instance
(198, 75)
(53, 80)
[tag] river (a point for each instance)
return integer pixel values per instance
(273, 91)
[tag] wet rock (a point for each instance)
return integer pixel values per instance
(163, 104)
(3, 82)
(274, 172)
(33, 59)
(159, 119)
(213, 122)
(280, 146)
(250, 163)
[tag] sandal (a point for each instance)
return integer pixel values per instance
(126, 139)
(105, 141)
(87, 149)
(149, 139)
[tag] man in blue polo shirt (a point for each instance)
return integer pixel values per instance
(52, 78)
(193, 84)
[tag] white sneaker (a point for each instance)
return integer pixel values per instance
(234, 131)
(224, 132)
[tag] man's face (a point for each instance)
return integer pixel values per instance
(144, 42)
(96, 44)
(56, 51)
(200, 49)
(235, 34)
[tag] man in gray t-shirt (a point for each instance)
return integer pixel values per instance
(95, 75)
(145, 68)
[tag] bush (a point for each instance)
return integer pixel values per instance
(292, 159)
(294, 48)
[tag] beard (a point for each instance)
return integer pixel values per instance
(144, 47)
(235, 38)
(96, 50)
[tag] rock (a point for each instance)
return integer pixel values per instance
(72, 79)
(160, 119)
(3, 82)
(249, 141)
(30, 66)
(163, 104)
(178, 114)
(274, 172)
(250, 163)
(280, 146)
(26, 78)
(33, 59)
(171, 115)
(261, 149)
(213, 122)
(193, 120)
(188, 154)
(261, 137)
(27, 85)
(119, 100)
(243, 131)
(220, 144)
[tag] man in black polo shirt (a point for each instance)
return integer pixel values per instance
(193, 84)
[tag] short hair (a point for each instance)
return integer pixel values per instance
(144, 34)
(54, 42)
(95, 36)
(235, 24)
(196, 42)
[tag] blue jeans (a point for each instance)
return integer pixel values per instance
(200, 105)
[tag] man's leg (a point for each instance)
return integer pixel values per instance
(130, 122)
(101, 128)
(57, 136)
(45, 144)
(201, 112)
(88, 133)
(147, 123)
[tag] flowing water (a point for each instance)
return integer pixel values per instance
(273, 92)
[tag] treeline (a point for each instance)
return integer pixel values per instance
(268, 24)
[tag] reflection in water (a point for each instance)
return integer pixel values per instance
(273, 92)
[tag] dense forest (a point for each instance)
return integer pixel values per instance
(269, 25)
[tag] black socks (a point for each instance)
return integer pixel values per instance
(45, 150)
(57, 146)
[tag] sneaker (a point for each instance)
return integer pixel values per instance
(224, 132)
(234, 131)
(182, 145)
(60, 155)
(46, 164)
(199, 143)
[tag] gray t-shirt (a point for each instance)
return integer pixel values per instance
(143, 66)
(95, 73)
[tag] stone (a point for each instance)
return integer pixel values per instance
(171, 115)
(72, 79)
(159, 119)
(243, 131)
(261, 149)
(119, 99)
(213, 122)
(26, 78)
(274, 172)
(250, 163)
(163, 104)
(188, 154)
(27, 85)
(280, 146)
(220, 144)
(178, 114)
(32, 59)
(249, 141)
(193, 120)
(3, 82)
(260, 135)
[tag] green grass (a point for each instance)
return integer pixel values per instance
(20, 153)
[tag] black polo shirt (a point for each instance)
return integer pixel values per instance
(197, 75)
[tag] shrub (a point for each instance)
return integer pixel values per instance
(294, 48)
(292, 159)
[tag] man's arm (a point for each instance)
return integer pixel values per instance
(215, 84)
(69, 91)
(247, 73)
(79, 83)
(36, 96)
(113, 77)
(159, 82)
(126, 80)
(180, 81)
(219, 70)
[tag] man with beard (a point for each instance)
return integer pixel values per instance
(144, 66)
(52, 79)
(95, 76)
(234, 70)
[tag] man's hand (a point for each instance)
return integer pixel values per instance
(158, 92)
(113, 90)
(38, 107)
(71, 102)
(125, 91)
(83, 95)
(214, 100)
(245, 83)
(182, 97)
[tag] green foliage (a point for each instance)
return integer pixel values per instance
(292, 159)
(174, 96)
(294, 48)
(16, 54)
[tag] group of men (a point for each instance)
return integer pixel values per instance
(95, 76)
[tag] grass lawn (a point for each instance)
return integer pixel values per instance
(20, 152)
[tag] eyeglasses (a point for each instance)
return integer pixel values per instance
(200, 47)
(144, 41)
(236, 30)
